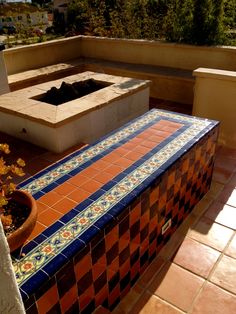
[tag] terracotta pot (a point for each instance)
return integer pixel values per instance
(19, 236)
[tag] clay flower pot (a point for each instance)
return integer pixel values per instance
(19, 236)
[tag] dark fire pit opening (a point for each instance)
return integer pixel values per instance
(67, 92)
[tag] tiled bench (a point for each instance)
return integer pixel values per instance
(115, 203)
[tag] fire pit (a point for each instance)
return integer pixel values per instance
(28, 113)
(67, 92)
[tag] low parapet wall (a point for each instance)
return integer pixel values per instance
(124, 50)
(159, 53)
(35, 56)
(169, 66)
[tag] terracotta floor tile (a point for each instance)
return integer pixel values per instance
(171, 246)
(231, 249)
(225, 162)
(223, 214)
(176, 286)
(39, 228)
(53, 157)
(91, 186)
(228, 196)
(49, 216)
(129, 300)
(215, 190)
(65, 189)
(50, 198)
(202, 206)
(35, 165)
(78, 195)
(196, 257)
(187, 224)
(226, 152)
(232, 182)
(221, 175)
(225, 274)
(64, 205)
(152, 270)
(151, 304)
(210, 233)
(29, 151)
(212, 299)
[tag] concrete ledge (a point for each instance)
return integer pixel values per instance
(215, 74)
(83, 119)
(167, 83)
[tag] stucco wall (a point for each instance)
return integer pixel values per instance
(129, 51)
(215, 98)
(40, 55)
(159, 53)
(4, 88)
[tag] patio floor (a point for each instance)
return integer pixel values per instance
(198, 265)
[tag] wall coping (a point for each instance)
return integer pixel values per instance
(215, 74)
(157, 43)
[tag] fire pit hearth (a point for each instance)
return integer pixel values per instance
(67, 92)
(82, 117)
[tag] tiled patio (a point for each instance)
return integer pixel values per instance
(197, 266)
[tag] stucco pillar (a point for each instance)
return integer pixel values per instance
(4, 87)
(215, 98)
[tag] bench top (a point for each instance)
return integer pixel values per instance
(82, 63)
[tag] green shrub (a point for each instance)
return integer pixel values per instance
(200, 22)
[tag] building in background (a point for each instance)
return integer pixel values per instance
(22, 15)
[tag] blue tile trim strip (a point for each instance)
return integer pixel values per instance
(109, 201)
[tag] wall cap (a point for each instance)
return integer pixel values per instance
(215, 74)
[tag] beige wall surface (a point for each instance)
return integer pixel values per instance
(215, 98)
(40, 55)
(4, 87)
(159, 53)
(124, 50)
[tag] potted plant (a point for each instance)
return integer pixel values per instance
(18, 211)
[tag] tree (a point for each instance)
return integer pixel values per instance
(178, 21)
(208, 26)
